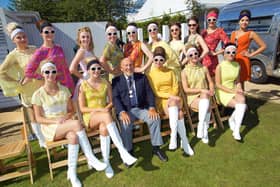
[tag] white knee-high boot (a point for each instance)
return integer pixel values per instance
(182, 133)
(73, 152)
(36, 128)
(238, 117)
(231, 121)
(114, 133)
(205, 128)
(203, 107)
(173, 120)
(85, 145)
(105, 149)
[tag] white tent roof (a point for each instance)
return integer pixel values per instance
(155, 8)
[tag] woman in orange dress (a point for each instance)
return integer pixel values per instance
(242, 38)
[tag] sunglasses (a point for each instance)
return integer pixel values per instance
(174, 30)
(154, 29)
(129, 33)
(96, 68)
(161, 60)
(192, 25)
(193, 54)
(48, 32)
(48, 72)
(231, 52)
(112, 33)
(211, 20)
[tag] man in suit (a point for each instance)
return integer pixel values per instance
(133, 99)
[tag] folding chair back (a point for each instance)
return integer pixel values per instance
(15, 147)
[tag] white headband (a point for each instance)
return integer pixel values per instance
(111, 27)
(46, 65)
(152, 25)
(131, 28)
(192, 49)
(230, 47)
(15, 32)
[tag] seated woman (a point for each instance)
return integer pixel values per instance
(166, 89)
(198, 85)
(229, 90)
(97, 114)
(53, 110)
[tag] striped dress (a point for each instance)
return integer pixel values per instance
(54, 106)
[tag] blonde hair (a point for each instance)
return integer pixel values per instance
(85, 29)
(11, 27)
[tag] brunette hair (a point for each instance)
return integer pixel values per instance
(194, 18)
(159, 51)
(178, 25)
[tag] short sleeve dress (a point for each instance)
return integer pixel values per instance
(54, 106)
(95, 98)
(229, 72)
(196, 75)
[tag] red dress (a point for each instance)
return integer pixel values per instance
(243, 43)
(212, 40)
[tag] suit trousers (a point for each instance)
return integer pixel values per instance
(153, 125)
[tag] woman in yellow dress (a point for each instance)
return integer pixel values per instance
(53, 109)
(229, 90)
(175, 42)
(199, 87)
(12, 74)
(166, 89)
(172, 60)
(93, 96)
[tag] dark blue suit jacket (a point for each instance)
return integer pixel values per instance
(145, 95)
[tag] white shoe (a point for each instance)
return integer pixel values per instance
(114, 134)
(231, 121)
(199, 133)
(173, 120)
(105, 150)
(93, 162)
(73, 152)
(36, 128)
(203, 107)
(236, 136)
(205, 140)
(182, 133)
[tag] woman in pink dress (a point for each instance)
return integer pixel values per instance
(49, 52)
(212, 36)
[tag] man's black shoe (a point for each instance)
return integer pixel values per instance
(160, 155)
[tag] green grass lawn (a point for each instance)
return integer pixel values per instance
(224, 162)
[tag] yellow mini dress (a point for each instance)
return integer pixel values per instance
(95, 98)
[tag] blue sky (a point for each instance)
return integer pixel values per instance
(4, 3)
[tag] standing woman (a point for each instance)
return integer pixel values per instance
(49, 52)
(172, 61)
(12, 74)
(112, 53)
(198, 85)
(53, 109)
(135, 49)
(229, 90)
(97, 114)
(242, 38)
(86, 46)
(166, 89)
(213, 36)
(175, 42)
(195, 39)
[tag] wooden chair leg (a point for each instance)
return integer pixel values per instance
(50, 163)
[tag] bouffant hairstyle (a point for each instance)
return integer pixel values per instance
(245, 12)
(159, 51)
(41, 24)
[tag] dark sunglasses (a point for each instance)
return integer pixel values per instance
(112, 33)
(192, 25)
(193, 54)
(48, 32)
(129, 33)
(159, 60)
(96, 68)
(231, 52)
(174, 30)
(212, 20)
(154, 29)
(48, 72)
